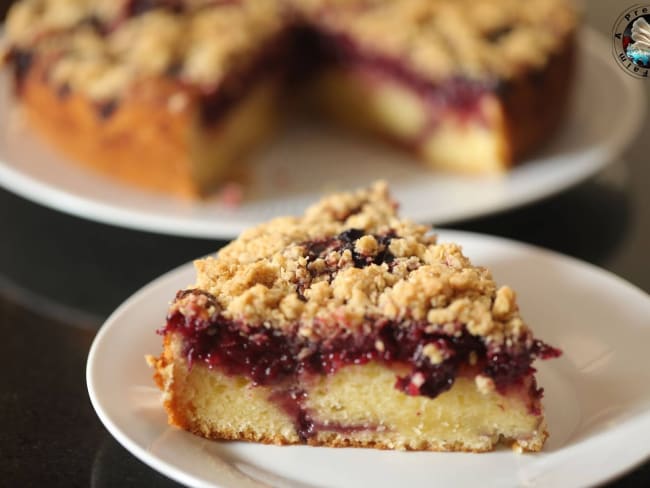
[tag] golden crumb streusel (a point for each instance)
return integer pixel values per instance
(443, 38)
(102, 47)
(348, 262)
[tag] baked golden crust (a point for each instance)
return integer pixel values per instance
(153, 137)
(142, 143)
(336, 440)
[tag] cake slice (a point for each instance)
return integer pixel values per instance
(350, 327)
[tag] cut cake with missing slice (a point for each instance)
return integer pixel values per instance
(351, 327)
(173, 95)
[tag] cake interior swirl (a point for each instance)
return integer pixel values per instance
(351, 327)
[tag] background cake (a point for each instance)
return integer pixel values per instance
(170, 94)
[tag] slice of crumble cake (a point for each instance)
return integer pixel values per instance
(351, 327)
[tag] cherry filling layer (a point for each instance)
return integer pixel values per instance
(133, 8)
(22, 61)
(218, 100)
(299, 51)
(292, 401)
(345, 241)
(462, 96)
(269, 356)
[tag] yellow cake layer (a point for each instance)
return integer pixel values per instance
(219, 406)
(245, 128)
(387, 107)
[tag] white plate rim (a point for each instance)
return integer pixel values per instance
(60, 199)
(188, 479)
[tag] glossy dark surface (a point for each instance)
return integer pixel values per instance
(60, 276)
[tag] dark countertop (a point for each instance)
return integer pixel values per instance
(60, 276)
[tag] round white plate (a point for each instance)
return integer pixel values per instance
(306, 160)
(597, 397)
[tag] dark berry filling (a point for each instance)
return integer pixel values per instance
(462, 95)
(280, 359)
(292, 400)
(432, 379)
(63, 91)
(345, 241)
(272, 357)
(506, 368)
(296, 53)
(133, 8)
(22, 61)
(218, 100)
(495, 35)
(106, 109)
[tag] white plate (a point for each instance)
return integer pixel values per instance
(597, 397)
(605, 114)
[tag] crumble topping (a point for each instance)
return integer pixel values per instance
(442, 38)
(350, 261)
(434, 353)
(102, 47)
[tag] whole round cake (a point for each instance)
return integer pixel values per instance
(170, 94)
